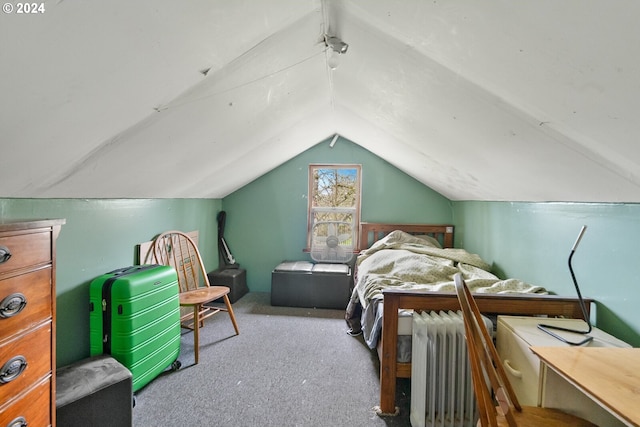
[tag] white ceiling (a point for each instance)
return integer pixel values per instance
(479, 100)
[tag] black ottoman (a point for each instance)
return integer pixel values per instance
(304, 284)
(96, 392)
(233, 278)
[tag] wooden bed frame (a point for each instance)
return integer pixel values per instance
(521, 304)
(371, 232)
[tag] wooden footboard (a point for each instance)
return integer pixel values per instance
(521, 304)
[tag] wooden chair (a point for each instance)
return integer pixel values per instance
(176, 249)
(497, 402)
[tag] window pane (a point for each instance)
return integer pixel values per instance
(343, 231)
(323, 215)
(334, 202)
(335, 187)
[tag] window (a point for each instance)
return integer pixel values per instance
(334, 197)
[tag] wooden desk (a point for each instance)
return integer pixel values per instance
(610, 377)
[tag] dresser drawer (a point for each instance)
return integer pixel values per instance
(521, 364)
(26, 250)
(34, 348)
(31, 289)
(33, 407)
(514, 337)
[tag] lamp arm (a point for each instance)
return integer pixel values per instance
(546, 328)
(580, 299)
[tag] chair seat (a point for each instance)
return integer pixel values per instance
(178, 250)
(548, 417)
(203, 295)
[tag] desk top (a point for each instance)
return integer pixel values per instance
(611, 376)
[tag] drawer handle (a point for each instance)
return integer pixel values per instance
(512, 371)
(5, 254)
(18, 422)
(12, 305)
(12, 369)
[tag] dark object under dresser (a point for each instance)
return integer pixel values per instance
(96, 392)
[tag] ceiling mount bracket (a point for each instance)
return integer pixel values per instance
(336, 44)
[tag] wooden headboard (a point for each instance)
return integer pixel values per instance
(371, 232)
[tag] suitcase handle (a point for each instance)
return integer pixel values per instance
(131, 269)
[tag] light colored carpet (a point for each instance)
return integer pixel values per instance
(288, 367)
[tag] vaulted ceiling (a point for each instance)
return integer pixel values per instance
(479, 100)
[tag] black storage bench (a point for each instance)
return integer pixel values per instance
(304, 284)
(96, 392)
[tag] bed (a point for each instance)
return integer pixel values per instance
(380, 297)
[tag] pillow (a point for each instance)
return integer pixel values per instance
(430, 240)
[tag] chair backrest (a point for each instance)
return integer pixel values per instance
(486, 369)
(176, 249)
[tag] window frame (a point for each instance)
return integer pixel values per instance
(358, 201)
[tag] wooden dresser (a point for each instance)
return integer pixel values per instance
(27, 322)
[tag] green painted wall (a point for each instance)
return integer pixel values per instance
(532, 242)
(267, 224)
(100, 236)
(267, 219)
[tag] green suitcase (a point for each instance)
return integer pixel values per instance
(135, 317)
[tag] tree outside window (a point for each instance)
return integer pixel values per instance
(334, 200)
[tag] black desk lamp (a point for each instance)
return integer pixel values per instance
(546, 328)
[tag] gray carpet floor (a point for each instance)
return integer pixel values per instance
(288, 367)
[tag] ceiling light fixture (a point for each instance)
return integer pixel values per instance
(338, 47)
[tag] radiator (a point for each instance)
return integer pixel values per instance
(441, 389)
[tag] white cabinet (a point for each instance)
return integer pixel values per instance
(514, 336)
